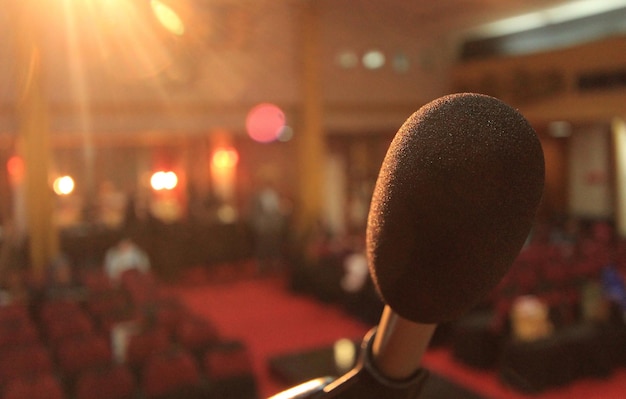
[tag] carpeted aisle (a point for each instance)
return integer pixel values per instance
(270, 320)
(273, 321)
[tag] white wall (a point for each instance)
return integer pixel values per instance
(590, 193)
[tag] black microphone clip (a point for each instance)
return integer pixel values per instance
(363, 381)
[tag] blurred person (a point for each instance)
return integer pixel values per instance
(112, 205)
(124, 256)
(61, 282)
(356, 270)
(268, 223)
(13, 287)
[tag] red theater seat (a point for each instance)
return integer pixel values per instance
(113, 382)
(227, 359)
(172, 375)
(196, 334)
(107, 302)
(60, 309)
(14, 313)
(78, 354)
(168, 313)
(229, 371)
(19, 332)
(146, 344)
(96, 281)
(42, 386)
(68, 326)
(24, 360)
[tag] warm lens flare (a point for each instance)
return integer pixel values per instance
(168, 17)
(265, 122)
(225, 158)
(164, 180)
(16, 168)
(63, 185)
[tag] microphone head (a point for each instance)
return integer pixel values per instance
(453, 205)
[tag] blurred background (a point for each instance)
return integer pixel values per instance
(244, 137)
(98, 96)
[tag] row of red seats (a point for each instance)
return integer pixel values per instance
(556, 274)
(173, 374)
(64, 349)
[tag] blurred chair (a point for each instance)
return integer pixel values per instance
(18, 332)
(109, 307)
(95, 281)
(142, 287)
(106, 301)
(77, 354)
(107, 322)
(109, 382)
(196, 334)
(14, 312)
(68, 326)
(229, 371)
(55, 309)
(166, 313)
(172, 375)
(144, 344)
(23, 361)
(41, 386)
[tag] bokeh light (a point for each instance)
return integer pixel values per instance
(345, 353)
(265, 122)
(168, 17)
(286, 134)
(225, 158)
(164, 180)
(374, 59)
(16, 168)
(63, 185)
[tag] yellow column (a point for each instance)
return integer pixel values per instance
(310, 137)
(618, 128)
(34, 141)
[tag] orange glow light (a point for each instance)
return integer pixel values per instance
(16, 168)
(225, 158)
(164, 180)
(63, 185)
(168, 17)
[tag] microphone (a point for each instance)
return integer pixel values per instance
(454, 202)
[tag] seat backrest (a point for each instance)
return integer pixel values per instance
(230, 359)
(24, 360)
(169, 372)
(112, 382)
(41, 386)
(146, 344)
(20, 332)
(195, 333)
(79, 353)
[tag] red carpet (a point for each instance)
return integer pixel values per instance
(270, 320)
(273, 321)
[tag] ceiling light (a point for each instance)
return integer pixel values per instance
(374, 59)
(548, 16)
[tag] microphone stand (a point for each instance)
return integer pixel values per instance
(388, 366)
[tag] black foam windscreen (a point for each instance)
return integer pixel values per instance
(453, 205)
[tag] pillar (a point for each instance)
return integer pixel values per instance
(618, 128)
(34, 141)
(310, 144)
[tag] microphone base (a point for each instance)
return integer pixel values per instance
(362, 382)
